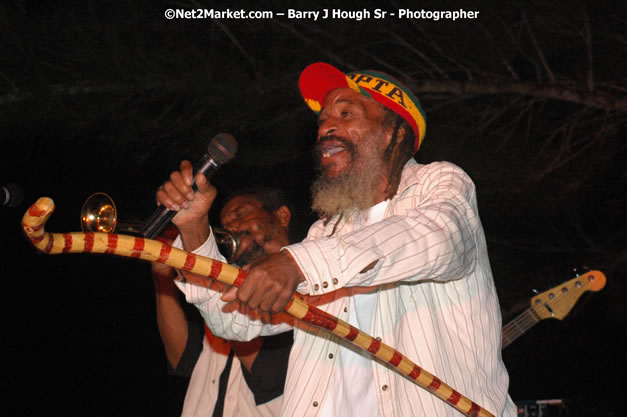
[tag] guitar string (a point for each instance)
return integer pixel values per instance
(515, 328)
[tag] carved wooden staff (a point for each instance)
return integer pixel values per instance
(155, 251)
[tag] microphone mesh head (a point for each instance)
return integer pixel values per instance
(222, 148)
(11, 195)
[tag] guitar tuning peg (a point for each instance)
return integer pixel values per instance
(533, 290)
(575, 272)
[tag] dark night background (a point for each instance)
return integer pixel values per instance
(109, 96)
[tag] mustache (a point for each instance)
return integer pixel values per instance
(254, 252)
(240, 235)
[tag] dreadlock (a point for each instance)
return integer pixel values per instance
(397, 153)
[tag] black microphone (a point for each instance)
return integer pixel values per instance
(10, 195)
(221, 150)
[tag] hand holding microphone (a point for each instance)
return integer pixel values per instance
(178, 195)
(186, 186)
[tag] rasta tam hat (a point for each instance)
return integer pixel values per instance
(319, 79)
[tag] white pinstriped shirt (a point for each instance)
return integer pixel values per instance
(436, 302)
(202, 391)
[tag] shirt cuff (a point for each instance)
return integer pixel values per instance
(315, 260)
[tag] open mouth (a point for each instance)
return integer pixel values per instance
(332, 146)
(329, 151)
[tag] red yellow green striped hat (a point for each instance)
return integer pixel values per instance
(319, 79)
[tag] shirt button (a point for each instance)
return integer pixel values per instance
(316, 287)
(384, 388)
(334, 281)
(330, 356)
(325, 284)
(346, 309)
(315, 403)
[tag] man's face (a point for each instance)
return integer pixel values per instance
(260, 232)
(350, 152)
(348, 120)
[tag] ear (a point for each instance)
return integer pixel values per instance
(387, 136)
(390, 131)
(400, 135)
(283, 215)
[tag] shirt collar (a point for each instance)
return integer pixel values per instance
(408, 177)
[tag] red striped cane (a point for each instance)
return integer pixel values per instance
(155, 251)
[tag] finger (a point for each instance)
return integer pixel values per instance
(187, 172)
(164, 199)
(284, 297)
(205, 187)
(201, 182)
(159, 203)
(231, 307)
(180, 184)
(247, 311)
(230, 295)
(246, 290)
(255, 314)
(174, 194)
(279, 304)
(266, 317)
(260, 299)
(267, 303)
(243, 308)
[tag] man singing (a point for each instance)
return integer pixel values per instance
(399, 251)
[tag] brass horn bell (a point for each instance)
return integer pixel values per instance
(99, 214)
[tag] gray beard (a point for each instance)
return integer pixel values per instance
(352, 190)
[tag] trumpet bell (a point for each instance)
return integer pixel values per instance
(99, 214)
(227, 243)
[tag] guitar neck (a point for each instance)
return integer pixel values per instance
(519, 325)
(554, 303)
